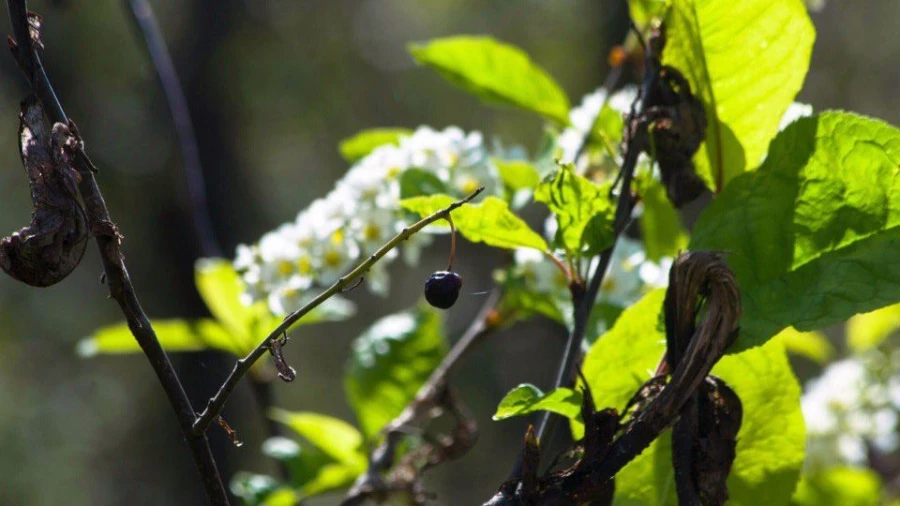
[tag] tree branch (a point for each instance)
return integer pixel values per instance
(142, 15)
(217, 402)
(381, 458)
(584, 302)
(108, 241)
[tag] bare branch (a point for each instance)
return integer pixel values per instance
(433, 394)
(142, 15)
(108, 241)
(696, 279)
(217, 402)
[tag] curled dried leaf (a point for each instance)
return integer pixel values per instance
(671, 129)
(703, 444)
(702, 309)
(52, 245)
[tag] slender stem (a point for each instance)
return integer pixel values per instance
(473, 335)
(143, 17)
(381, 458)
(217, 402)
(452, 243)
(120, 287)
(585, 303)
(567, 272)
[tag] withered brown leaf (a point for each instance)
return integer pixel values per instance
(51, 246)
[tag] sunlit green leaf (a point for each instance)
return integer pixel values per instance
(840, 486)
(607, 128)
(661, 227)
(812, 345)
(495, 72)
(642, 12)
(517, 174)
(173, 335)
(334, 437)
(221, 288)
(813, 235)
(490, 222)
(636, 343)
(868, 330)
(577, 201)
(772, 437)
(746, 61)
(389, 363)
(310, 470)
(365, 142)
(526, 399)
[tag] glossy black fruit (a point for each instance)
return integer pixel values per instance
(442, 289)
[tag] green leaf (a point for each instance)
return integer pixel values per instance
(576, 202)
(746, 61)
(661, 227)
(415, 182)
(771, 440)
(311, 471)
(221, 287)
(517, 174)
(496, 73)
(606, 131)
(334, 437)
(869, 330)
(636, 343)
(840, 486)
(522, 301)
(490, 222)
(174, 336)
(643, 12)
(254, 489)
(813, 235)
(389, 363)
(526, 399)
(365, 142)
(812, 345)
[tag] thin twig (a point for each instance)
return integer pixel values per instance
(382, 457)
(217, 402)
(115, 272)
(584, 302)
(143, 17)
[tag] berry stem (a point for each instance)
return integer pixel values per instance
(452, 243)
(559, 263)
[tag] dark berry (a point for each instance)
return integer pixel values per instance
(442, 289)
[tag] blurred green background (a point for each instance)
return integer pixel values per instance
(273, 86)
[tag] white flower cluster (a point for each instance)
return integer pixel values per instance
(853, 404)
(359, 215)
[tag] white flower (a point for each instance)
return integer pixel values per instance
(622, 285)
(539, 272)
(334, 256)
(848, 406)
(583, 116)
(360, 215)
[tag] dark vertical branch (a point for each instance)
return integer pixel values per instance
(116, 274)
(142, 15)
(583, 301)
